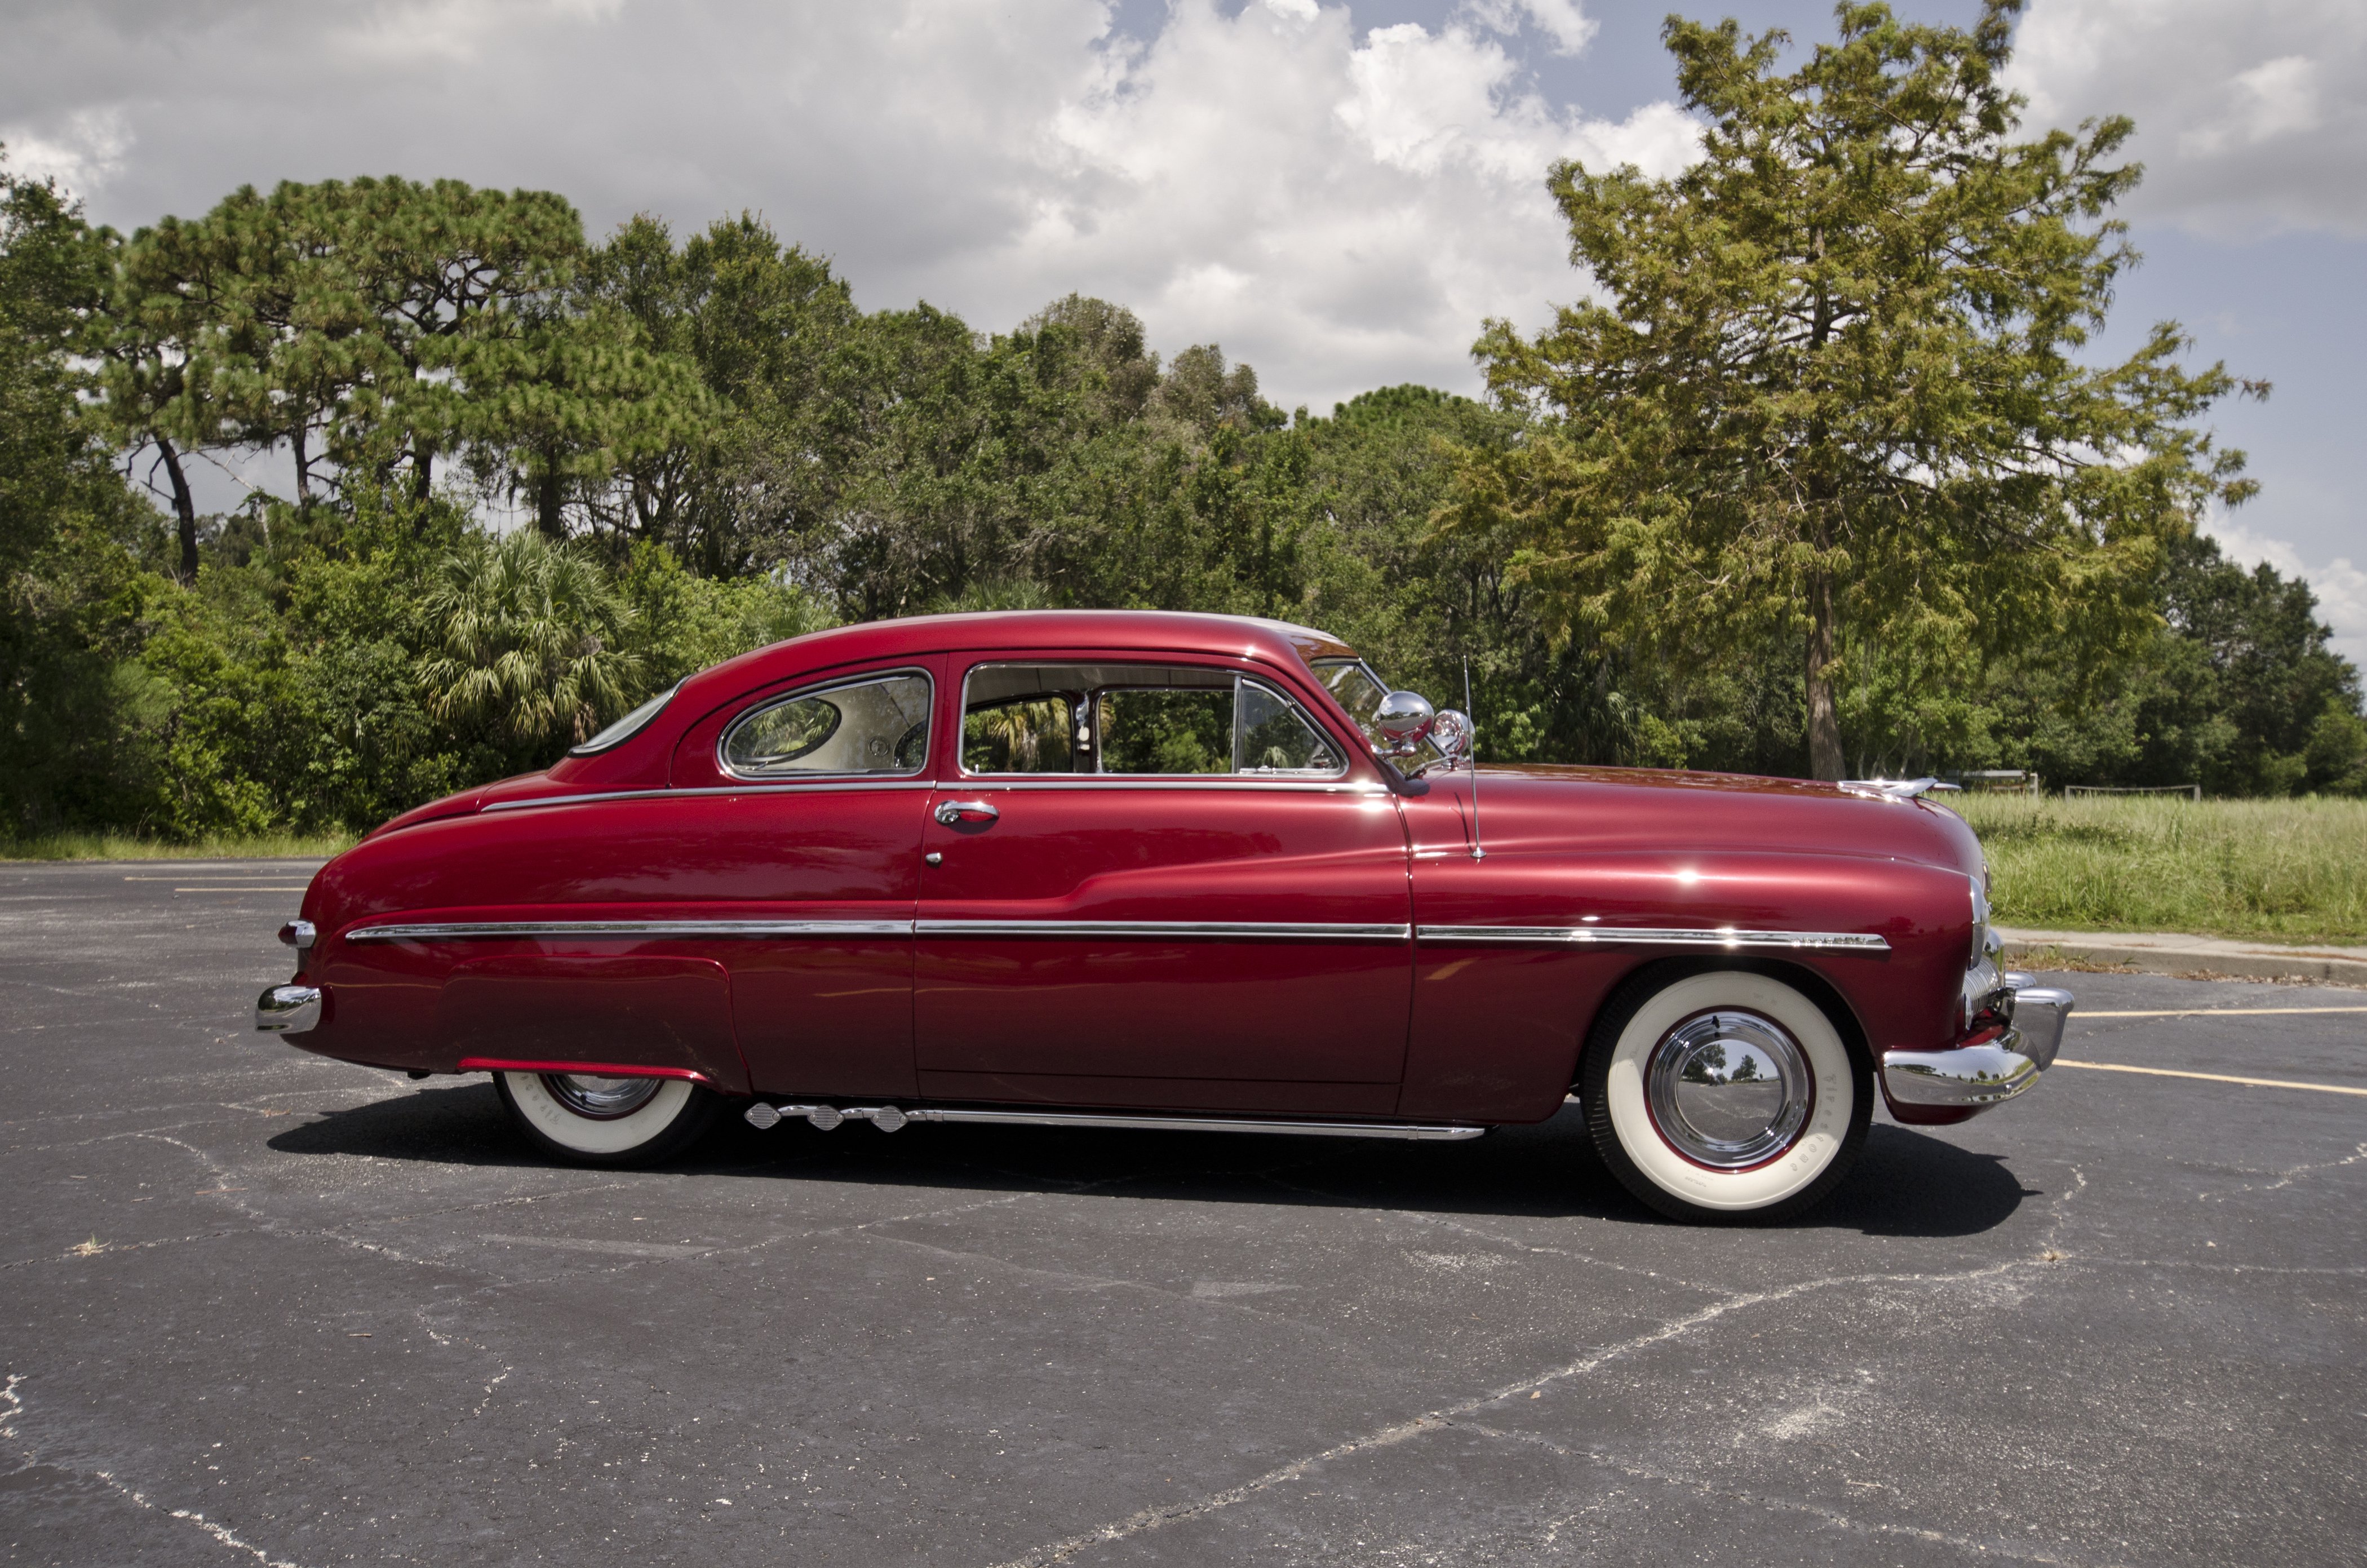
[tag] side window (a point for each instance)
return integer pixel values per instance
(1152, 729)
(877, 725)
(1155, 721)
(1277, 737)
(1022, 735)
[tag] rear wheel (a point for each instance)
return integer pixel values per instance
(597, 1120)
(1724, 1096)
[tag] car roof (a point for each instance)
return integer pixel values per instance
(1144, 630)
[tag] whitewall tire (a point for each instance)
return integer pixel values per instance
(606, 1121)
(1723, 1096)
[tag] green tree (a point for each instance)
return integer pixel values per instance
(76, 591)
(1832, 390)
(752, 471)
(529, 644)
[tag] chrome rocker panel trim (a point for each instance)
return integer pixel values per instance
(1641, 937)
(287, 1009)
(887, 1119)
(1968, 1077)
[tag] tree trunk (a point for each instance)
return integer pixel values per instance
(547, 513)
(303, 469)
(185, 509)
(1823, 721)
(423, 470)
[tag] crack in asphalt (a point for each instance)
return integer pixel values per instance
(222, 1534)
(1786, 1505)
(1160, 1515)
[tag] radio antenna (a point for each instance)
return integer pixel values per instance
(1476, 852)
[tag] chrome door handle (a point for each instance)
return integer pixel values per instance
(954, 814)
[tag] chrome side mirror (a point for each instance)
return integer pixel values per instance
(1404, 720)
(1451, 732)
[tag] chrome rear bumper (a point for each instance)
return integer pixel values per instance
(1975, 1077)
(287, 1009)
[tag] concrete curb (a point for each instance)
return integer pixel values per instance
(2174, 954)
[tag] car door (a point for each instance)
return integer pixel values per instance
(1158, 882)
(802, 828)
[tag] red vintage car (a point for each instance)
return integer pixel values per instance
(1157, 870)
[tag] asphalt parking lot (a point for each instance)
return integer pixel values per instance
(256, 1306)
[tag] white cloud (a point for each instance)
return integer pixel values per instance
(2250, 117)
(82, 153)
(1342, 213)
(1339, 209)
(2341, 586)
(1560, 20)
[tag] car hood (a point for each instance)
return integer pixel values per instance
(1556, 807)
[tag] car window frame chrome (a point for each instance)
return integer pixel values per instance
(1236, 777)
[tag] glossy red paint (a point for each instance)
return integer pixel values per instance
(1265, 958)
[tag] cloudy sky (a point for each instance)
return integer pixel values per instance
(1338, 193)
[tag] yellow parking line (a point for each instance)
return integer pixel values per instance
(2211, 1077)
(2213, 1012)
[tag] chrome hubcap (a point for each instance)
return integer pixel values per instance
(1729, 1089)
(602, 1099)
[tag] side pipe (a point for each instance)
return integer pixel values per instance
(887, 1119)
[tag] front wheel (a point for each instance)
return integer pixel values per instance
(1724, 1096)
(591, 1120)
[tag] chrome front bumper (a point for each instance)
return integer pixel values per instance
(1975, 1077)
(287, 1009)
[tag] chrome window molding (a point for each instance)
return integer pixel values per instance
(836, 784)
(468, 930)
(844, 785)
(1639, 936)
(837, 683)
(1240, 778)
(1220, 931)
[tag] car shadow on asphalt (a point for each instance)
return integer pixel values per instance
(1907, 1183)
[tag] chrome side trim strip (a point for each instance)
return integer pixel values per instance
(470, 929)
(1647, 936)
(1217, 930)
(837, 786)
(1220, 930)
(889, 1118)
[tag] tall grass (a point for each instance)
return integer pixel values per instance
(2288, 870)
(125, 846)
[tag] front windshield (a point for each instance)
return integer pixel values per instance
(1359, 691)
